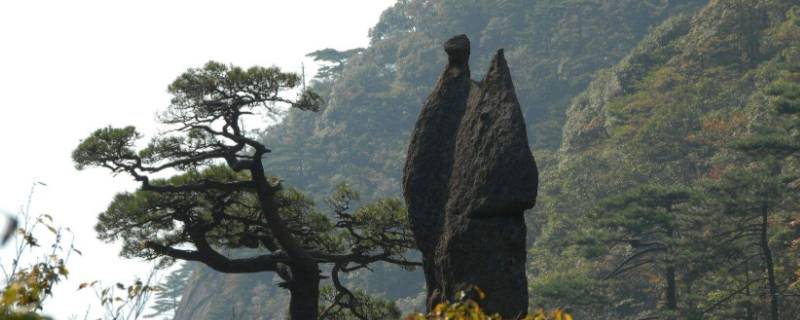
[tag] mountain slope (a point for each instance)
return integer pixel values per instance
(666, 114)
(554, 48)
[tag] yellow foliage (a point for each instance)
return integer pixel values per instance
(468, 309)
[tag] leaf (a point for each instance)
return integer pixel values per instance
(10, 294)
(83, 285)
(439, 309)
(120, 286)
(539, 314)
(62, 270)
(557, 314)
(481, 293)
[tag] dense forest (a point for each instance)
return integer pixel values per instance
(665, 133)
(664, 130)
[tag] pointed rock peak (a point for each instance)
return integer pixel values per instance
(468, 178)
(457, 49)
(498, 75)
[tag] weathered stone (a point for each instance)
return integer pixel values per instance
(469, 176)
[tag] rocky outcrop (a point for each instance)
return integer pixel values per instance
(468, 179)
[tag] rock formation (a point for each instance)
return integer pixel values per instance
(468, 179)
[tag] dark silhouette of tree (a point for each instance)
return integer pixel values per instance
(332, 61)
(222, 198)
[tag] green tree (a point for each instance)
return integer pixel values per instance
(750, 197)
(780, 140)
(221, 196)
(761, 190)
(647, 220)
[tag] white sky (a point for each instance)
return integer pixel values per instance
(69, 67)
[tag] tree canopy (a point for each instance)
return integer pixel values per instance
(220, 197)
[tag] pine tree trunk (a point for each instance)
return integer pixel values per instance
(303, 283)
(672, 288)
(304, 291)
(749, 307)
(691, 303)
(767, 253)
(672, 292)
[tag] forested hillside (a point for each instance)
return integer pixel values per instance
(644, 116)
(553, 49)
(699, 114)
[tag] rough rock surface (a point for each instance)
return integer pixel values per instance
(468, 179)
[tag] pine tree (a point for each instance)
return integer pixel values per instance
(644, 224)
(748, 198)
(221, 196)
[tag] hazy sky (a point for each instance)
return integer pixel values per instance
(69, 67)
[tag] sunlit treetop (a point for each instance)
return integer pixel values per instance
(204, 121)
(219, 92)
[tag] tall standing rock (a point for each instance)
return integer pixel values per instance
(468, 179)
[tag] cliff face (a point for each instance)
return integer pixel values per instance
(554, 48)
